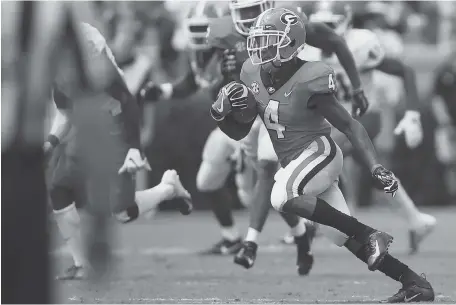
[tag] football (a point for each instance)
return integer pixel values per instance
(248, 114)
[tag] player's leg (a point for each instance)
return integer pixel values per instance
(267, 166)
(419, 224)
(413, 284)
(245, 177)
(63, 185)
(210, 180)
(309, 175)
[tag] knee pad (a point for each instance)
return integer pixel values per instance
(61, 197)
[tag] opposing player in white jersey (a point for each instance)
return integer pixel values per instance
(370, 56)
(72, 176)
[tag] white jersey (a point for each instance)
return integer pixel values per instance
(368, 54)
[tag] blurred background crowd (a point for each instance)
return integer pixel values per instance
(149, 41)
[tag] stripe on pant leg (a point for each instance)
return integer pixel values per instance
(319, 167)
(301, 166)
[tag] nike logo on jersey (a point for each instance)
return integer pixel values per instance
(406, 300)
(287, 94)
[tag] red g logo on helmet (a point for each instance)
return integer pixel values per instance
(289, 18)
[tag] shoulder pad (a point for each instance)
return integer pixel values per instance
(365, 47)
(318, 78)
(222, 34)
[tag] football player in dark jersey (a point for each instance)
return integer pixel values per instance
(297, 103)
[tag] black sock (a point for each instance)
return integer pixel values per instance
(327, 215)
(221, 207)
(390, 266)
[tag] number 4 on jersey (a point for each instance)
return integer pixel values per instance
(271, 118)
(331, 83)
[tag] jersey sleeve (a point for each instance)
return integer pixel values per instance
(323, 81)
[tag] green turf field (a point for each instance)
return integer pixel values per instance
(157, 263)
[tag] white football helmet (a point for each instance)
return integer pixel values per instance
(244, 12)
(197, 24)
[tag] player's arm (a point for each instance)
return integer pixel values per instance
(325, 103)
(410, 124)
(397, 67)
(61, 124)
(330, 108)
(183, 87)
(100, 55)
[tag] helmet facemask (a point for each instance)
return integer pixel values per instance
(264, 46)
(197, 29)
(244, 13)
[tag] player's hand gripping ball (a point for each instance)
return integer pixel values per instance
(243, 103)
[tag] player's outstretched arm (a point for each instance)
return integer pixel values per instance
(61, 124)
(330, 108)
(183, 87)
(398, 68)
(410, 124)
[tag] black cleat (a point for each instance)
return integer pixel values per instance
(247, 255)
(376, 247)
(419, 290)
(305, 257)
(224, 247)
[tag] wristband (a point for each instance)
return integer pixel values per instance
(374, 167)
(53, 140)
(355, 91)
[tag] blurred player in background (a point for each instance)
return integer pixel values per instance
(444, 109)
(70, 180)
(370, 56)
(298, 114)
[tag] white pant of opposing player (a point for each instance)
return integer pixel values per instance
(218, 155)
(314, 172)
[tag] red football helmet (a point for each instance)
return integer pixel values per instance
(278, 35)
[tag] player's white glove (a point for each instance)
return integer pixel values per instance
(134, 162)
(385, 179)
(410, 126)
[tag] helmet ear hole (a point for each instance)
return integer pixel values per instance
(292, 43)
